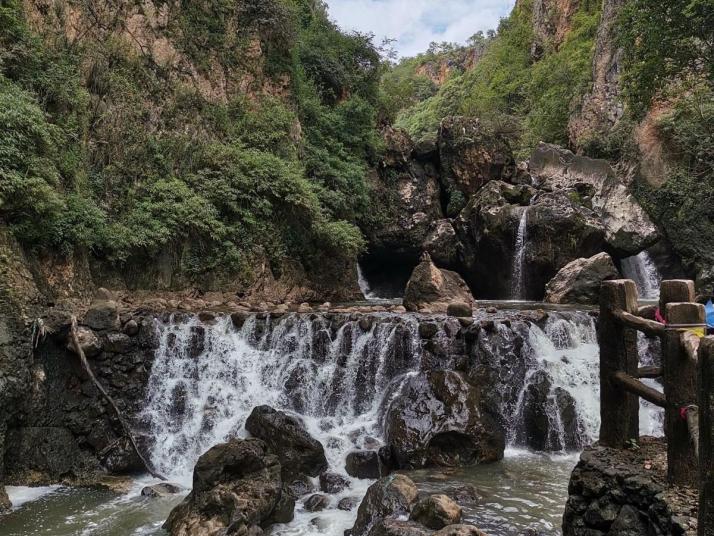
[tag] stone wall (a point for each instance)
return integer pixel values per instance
(624, 493)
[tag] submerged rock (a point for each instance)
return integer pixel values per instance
(436, 512)
(579, 281)
(236, 489)
(161, 490)
(430, 288)
(436, 421)
(391, 496)
(298, 452)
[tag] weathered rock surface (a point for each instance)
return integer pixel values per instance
(367, 464)
(333, 483)
(391, 496)
(470, 157)
(432, 289)
(5, 503)
(236, 489)
(316, 502)
(102, 315)
(436, 512)
(437, 421)
(298, 452)
(628, 228)
(579, 281)
(399, 527)
(442, 244)
(460, 530)
(88, 342)
(625, 493)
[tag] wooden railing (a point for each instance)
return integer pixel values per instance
(687, 374)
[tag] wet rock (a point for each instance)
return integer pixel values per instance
(542, 407)
(391, 496)
(161, 490)
(460, 309)
(434, 289)
(122, 458)
(88, 341)
(428, 329)
(131, 328)
(236, 490)
(464, 494)
(298, 452)
(436, 512)
(398, 527)
(629, 522)
(348, 503)
(118, 343)
(317, 502)
(102, 315)
(460, 530)
(300, 486)
(470, 157)
(207, 317)
(579, 281)
(367, 464)
(437, 421)
(239, 318)
(333, 483)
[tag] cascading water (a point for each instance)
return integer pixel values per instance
(517, 286)
(367, 292)
(643, 271)
(206, 380)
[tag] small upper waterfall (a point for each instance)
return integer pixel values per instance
(364, 285)
(517, 283)
(643, 271)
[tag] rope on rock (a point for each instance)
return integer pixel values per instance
(105, 394)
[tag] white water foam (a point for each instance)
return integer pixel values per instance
(20, 495)
(517, 290)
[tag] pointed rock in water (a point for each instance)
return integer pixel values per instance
(333, 483)
(434, 289)
(236, 489)
(436, 512)
(579, 281)
(316, 503)
(298, 452)
(437, 421)
(348, 503)
(391, 496)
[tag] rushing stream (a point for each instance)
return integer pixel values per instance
(206, 379)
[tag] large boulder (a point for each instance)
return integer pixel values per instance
(436, 420)
(432, 289)
(390, 497)
(470, 157)
(237, 489)
(298, 452)
(442, 244)
(628, 228)
(102, 315)
(579, 281)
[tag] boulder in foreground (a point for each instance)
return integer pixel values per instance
(237, 489)
(579, 281)
(431, 289)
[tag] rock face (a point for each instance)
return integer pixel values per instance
(625, 492)
(579, 281)
(628, 228)
(390, 496)
(298, 452)
(470, 157)
(436, 421)
(432, 289)
(236, 489)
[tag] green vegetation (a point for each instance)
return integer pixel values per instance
(105, 148)
(669, 61)
(526, 97)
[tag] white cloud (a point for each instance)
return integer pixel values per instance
(416, 23)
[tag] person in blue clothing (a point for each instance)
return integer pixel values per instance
(709, 307)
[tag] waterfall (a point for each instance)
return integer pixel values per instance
(517, 290)
(643, 271)
(207, 378)
(367, 292)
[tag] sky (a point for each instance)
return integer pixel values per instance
(416, 23)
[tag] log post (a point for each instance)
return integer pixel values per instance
(705, 388)
(675, 291)
(619, 410)
(680, 391)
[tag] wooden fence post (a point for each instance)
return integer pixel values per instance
(705, 388)
(619, 410)
(675, 291)
(680, 390)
